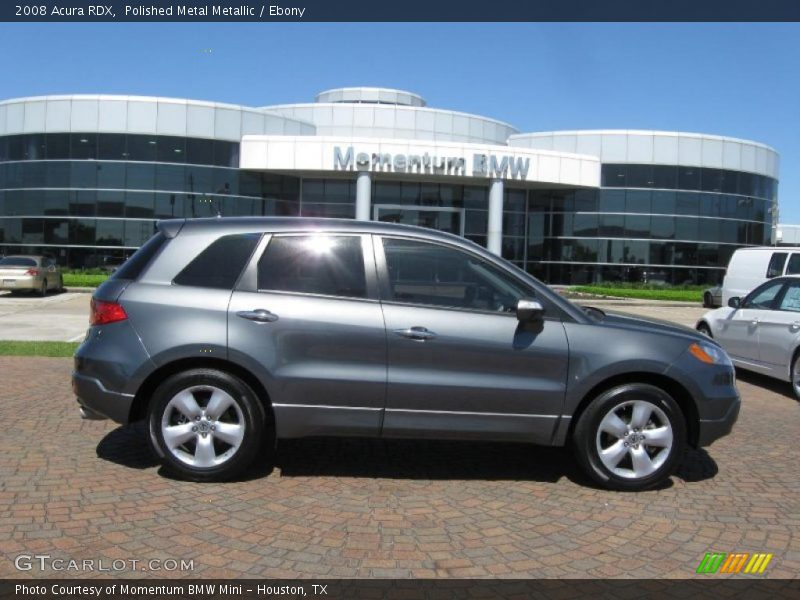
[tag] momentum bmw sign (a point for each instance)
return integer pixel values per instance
(481, 165)
(401, 158)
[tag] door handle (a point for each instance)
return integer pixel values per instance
(795, 326)
(258, 315)
(419, 334)
(754, 322)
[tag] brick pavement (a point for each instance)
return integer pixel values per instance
(367, 508)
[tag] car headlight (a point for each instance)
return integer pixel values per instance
(709, 353)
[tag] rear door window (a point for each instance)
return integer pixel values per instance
(775, 267)
(330, 265)
(791, 297)
(219, 265)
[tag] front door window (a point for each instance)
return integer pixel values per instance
(424, 273)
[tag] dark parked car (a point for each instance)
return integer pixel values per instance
(712, 297)
(228, 334)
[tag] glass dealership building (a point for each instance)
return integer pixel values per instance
(85, 178)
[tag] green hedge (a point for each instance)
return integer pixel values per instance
(78, 279)
(678, 294)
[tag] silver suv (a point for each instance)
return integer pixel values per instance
(229, 334)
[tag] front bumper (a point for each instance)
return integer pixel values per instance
(97, 402)
(710, 430)
(716, 399)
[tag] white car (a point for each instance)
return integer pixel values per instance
(761, 332)
(750, 267)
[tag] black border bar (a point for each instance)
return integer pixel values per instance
(393, 589)
(34, 11)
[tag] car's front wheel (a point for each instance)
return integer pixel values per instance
(206, 425)
(631, 437)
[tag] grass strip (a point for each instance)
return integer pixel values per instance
(83, 279)
(676, 295)
(24, 348)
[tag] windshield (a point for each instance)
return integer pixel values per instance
(17, 261)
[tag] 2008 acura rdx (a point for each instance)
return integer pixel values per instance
(228, 334)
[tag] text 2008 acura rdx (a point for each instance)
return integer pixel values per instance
(228, 334)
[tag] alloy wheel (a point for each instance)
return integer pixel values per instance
(203, 426)
(796, 377)
(634, 439)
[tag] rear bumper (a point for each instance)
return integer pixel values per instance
(20, 282)
(710, 430)
(109, 365)
(97, 402)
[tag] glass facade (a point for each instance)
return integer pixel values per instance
(88, 197)
(671, 224)
(85, 198)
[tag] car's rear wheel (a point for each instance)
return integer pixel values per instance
(708, 301)
(796, 375)
(43, 289)
(206, 425)
(631, 437)
(704, 329)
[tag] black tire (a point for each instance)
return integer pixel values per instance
(43, 289)
(708, 301)
(795, 375)
(247, 410)
(587, 436)
(704, 329)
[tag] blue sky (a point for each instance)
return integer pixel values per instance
(739, 80)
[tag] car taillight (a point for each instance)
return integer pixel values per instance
(33, 272)
(103, 313)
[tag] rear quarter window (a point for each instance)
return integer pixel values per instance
(221, 263)
(132, 268)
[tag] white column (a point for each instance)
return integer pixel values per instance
(363, 196)
(494, 227)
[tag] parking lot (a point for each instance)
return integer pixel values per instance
(84, 490)
(60, 317)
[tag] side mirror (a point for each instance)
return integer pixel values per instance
(735, 302)
(529, 310)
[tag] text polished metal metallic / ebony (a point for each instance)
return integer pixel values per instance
(227, 333)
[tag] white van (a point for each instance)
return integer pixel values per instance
(750, 267)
